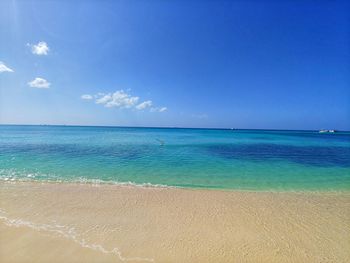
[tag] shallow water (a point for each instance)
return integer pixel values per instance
(195, 158)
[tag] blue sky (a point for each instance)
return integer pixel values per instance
(242, 64)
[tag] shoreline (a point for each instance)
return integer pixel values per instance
(98, 182)
(70, 222)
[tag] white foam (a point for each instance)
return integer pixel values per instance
(143, 185)
(70, 233)
(82, 180)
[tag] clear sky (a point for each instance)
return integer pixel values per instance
(242, 64)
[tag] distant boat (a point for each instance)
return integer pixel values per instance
(327, 131)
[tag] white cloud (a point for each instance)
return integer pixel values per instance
(39, 49)
(4, 68)
(161, 109)
(87, 97)
(144, 105)
(102, 98)
(122, 100)
(118, 99)
(39, 83)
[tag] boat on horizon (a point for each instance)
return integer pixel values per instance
(327, 131)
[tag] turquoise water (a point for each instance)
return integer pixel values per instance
(195, 158)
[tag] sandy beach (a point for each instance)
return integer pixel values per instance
(62, 222)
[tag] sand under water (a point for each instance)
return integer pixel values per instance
(66, 222)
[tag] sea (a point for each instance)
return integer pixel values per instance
(232, 159)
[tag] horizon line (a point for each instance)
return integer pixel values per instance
(164, 127)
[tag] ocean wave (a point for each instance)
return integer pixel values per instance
(13, 176)
(128, 183)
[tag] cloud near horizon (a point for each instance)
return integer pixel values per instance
(161, 109)
(144, 105)
(122, 100)
(4, 68)
(39, 83)
(118, 99)
(39, 49)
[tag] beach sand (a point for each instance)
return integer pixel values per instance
(63, 222)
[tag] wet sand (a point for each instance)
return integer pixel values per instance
(62, 222)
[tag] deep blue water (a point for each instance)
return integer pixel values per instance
(206, 158)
